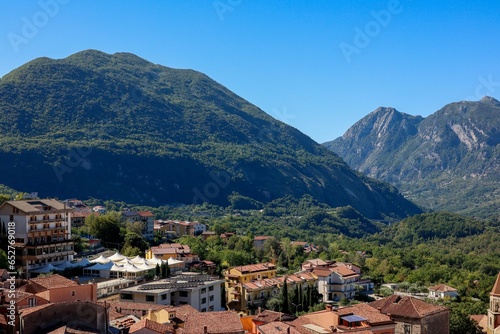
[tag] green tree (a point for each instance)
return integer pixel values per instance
(285, 303)
(4, 198)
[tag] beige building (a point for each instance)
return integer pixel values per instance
(42, 232)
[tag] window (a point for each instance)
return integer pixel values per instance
(73, 292)
(164, 296)
(204, 290)
(203, 300)
(211, 288)
(203, 310)
(407, 328)
(211, 298)
(211, 308)
(183, 293)
(32, 302)
(127, 296)
(150, 298)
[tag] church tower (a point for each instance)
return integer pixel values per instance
(494, 310)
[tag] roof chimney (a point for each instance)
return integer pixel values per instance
(329, 307)
(205, 329)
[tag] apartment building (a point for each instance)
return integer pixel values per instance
(42, 231)
(146, 218)
(202, 292)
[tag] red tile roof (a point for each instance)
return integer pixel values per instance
(215, 322)
(406, 306)
(277, 327)
(370, 313)
(442, 288)
(255, 267)
(52, 282)
(152, 326)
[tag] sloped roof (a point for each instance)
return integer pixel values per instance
(152, 326)
(216, 322)
(53, 282)
(277, 327)
(442, 288)
(496, 288)
(406, 306)
(33, 206)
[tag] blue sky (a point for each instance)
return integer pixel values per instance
(319, 66)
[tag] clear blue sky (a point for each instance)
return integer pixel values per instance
(320, 66)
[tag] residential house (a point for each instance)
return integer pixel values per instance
(42, 231)
(200, 291)
(413, 315)
(146, 326)
(146, 218)
(180, 228)
(442, 291)
(336, 283)
(175, 251)
(358, 318)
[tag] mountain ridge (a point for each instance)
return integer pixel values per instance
(117, 126)
(452, 153)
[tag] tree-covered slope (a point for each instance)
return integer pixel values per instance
(446, 161)
(117, 126)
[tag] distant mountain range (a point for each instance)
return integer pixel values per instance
(119, 127)
(449, 160)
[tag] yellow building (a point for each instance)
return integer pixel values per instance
(235, 277)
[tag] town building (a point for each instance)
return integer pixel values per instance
(442, 291)
(413, 315)
(177, 228)
(358, 318)
(236, 277)
(202, 292)
(174, 251)
(145, 218)
(42, 232)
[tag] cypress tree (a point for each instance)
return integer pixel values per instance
(285, 307)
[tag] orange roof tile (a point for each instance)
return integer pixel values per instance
(406, 306)
(371, 314)
(344, 272)
(442, 288)
(216, 322)
(152, 326)
(277, 327)
(52, 282)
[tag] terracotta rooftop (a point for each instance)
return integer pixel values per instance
(277, 327)
(255, 267)
(406, 306)
(53, 281)
(344, 272)
(267, 316)
(152, 326)
(442, 288)
(370, 313)
(322, 272)
(215, 322)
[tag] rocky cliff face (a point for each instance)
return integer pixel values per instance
(446, 161)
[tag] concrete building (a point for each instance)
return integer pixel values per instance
(442, 290)
(146, 218)
(202, 292)
(42, 232)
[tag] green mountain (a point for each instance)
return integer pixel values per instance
(119, 127)
(446, 161)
